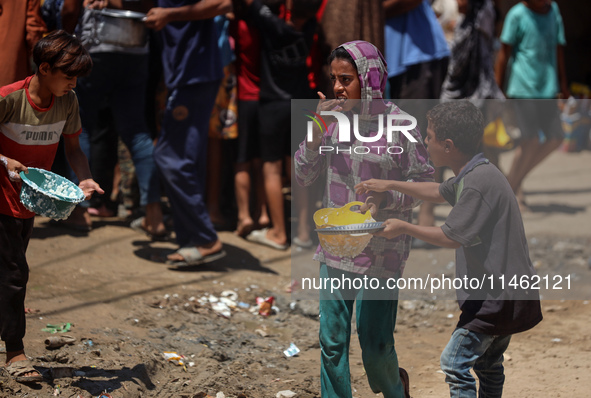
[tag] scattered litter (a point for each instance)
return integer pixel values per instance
(265, 305)
(59, 341)
(60, 328)
(261, 332)
(57, 391)
(232, 295)
(220, 395)
(105, 395)
(285, 394)
(291, 351)
(221, 309)
(293, 305)
(175, 358)
(556, 340)
(230, 303)
(450, 316)
(244, 305)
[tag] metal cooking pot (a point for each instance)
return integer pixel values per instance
(119, 27)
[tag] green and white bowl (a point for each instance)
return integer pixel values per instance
(48, 194)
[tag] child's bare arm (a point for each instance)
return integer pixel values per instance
(432, 235)
(501, 65)
(79, 164)
(427, 191)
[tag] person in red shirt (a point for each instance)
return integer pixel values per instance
(34, 113)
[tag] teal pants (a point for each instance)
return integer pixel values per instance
(376, 320)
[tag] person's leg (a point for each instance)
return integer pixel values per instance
(275, 122)
(130, 121)
(181, 158)
(489, 369)
(242, 184)
(272, 175)
(459, 356)
(15, 234)
(248, 169)
(335, 338)
(261, 213)
(376, 320)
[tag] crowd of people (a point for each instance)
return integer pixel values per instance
(228, 72)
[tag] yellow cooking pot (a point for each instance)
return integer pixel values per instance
(345, 245)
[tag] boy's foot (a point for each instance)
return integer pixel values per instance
(20, 368)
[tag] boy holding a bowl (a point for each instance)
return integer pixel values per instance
(486, 229)
(34, 113)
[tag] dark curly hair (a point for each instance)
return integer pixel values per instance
(459, 121)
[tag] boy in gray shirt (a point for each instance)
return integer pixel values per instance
(486, 229)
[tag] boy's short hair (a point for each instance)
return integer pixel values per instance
(64, 52)
(459, 121)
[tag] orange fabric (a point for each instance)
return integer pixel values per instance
(21, 27)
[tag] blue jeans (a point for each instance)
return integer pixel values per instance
(118, 81)
(376, 320)
(483, 353)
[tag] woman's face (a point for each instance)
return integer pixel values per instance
(345, 83)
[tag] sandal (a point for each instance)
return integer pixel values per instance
(18, 370)
(260, 236)
(192, 256)
(137, 226)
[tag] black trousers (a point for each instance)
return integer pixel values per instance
(15, 234)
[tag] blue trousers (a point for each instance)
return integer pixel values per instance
(376, 320)
(484, 353)
(181, 157)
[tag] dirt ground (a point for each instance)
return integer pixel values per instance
(126, 308)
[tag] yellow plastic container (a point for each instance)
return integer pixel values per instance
(345, 245)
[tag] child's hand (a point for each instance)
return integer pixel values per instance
(394, 228)
(374, 185)
(89, 187)
(13, 167)
(372, 203)
(328, 105)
